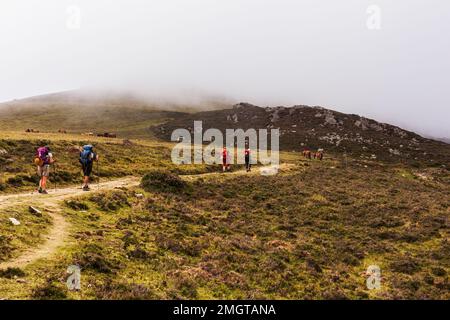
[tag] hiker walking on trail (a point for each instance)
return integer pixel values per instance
(43, 160)
(248, 165)
(225, 160)
(87, 158)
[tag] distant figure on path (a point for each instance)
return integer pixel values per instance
(225, 160)
(248, 165)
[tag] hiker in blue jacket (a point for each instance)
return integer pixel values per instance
(87, 158)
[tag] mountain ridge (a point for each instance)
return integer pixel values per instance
(316, 127)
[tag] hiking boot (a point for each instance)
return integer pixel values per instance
(43, 192)
(86, 188)
(39, 190)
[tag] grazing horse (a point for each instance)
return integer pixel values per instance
(319, 154)
(307, 153)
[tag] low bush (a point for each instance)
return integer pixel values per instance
(162, 181)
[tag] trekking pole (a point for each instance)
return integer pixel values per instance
(54, 174)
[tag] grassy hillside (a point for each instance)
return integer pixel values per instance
(193, 232)
(117, 159)
(127, 122)
(308, 233)
(128, 115)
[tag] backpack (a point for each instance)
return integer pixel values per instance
(87, 154)
(41, 156)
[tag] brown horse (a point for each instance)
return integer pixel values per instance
(307, 154)
(319, 155)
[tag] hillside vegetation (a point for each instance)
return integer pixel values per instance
(117, 159)
(309, 232)
(193, 232)
(126, 114)
(316, 127)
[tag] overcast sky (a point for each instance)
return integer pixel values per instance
(267, 52)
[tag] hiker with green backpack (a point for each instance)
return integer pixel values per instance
(87, 158)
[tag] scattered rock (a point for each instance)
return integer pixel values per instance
(34, 211)
(330, 119)
(332, 138)
(275, 116)
(269, 171)
(394, 152)
(423, 176)
(14, 221)
(3, 152)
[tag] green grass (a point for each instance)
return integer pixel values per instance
(18, 172)
(30, 232)
(308, 233)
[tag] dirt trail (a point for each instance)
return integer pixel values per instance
(256, 170)
(51, 204)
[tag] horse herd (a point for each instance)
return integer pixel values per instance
(308, 154)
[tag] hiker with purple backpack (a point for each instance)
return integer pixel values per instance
(43, 160)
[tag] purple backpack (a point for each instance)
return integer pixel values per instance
(42, 153)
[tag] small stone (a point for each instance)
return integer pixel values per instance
(35, 211)
(14, 221)
(269, 171)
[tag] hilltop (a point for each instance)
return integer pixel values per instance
(128, 114)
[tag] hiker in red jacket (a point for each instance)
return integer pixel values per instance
(43, 160)
(248, 165)
(225, 160)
